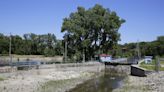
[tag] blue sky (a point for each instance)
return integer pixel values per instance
(144, 18)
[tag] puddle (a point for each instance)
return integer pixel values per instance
(105, 83)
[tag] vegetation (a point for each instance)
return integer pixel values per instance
(91, 32)
(154, 48)
(1, 79)
(151, 66)
(152, 63)
(31, 44)
(148, 67)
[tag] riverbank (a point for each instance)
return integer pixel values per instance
(62, 74)
(154, 82)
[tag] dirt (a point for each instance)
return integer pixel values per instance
(32, 80)
(154, 82)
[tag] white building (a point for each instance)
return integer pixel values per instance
(105, 58)
(148, 59)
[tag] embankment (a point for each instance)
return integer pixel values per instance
(36, 80)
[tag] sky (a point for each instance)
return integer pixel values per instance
(144, 18)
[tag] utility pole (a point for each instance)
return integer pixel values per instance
(138, 50)
(66, 49)
(10, 51)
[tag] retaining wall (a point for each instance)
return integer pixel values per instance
(7, 69)
(138, 71)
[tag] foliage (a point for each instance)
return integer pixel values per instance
(91, 31)
(154, 48)
(31, 44)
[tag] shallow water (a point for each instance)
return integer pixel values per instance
(108, 81)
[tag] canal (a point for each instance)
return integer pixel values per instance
(109, 80)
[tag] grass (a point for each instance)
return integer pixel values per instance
(148, 67)
(162, 62)
(151, 67)
(161, 69)
(1, 78)
(58, 85)
(152, 63)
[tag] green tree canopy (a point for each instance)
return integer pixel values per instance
(31, 44)
(91, 31)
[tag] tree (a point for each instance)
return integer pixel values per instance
(92, 30)
(31, 44)
(4, 44)
(59, 48)
(17, 44)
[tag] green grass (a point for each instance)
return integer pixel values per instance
(1, 79)
(148, 67)
(162, 62)
(152, 63)
(162, 69)
(151, 67)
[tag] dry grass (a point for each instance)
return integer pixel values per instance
(15, 58)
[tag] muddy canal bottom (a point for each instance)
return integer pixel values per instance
(108, 81)
(104, 81)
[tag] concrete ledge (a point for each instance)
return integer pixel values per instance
(138, 71)
(7, 69)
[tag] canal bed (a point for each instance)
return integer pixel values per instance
(110, 78)
(104, 83)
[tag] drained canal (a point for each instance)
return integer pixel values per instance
(109, 80)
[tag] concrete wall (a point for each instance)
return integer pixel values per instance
(7, 69)
(137, 71)
(122, 69)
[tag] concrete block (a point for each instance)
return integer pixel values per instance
(138, 71)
